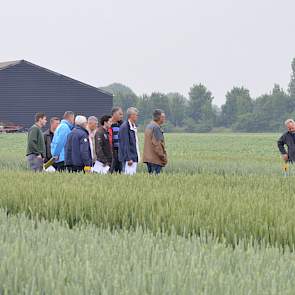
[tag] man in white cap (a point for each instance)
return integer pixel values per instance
(77, 150)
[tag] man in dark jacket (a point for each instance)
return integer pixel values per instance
(102, 144)
(77, 150)
(128, 144)
(36, 145)
(48, 136)
(288, 139)
(117, 117)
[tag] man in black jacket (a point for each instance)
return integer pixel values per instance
(48, 136)
(129, 144)
(77, 150)
(288, 139)
(117, 117)
(103, 147)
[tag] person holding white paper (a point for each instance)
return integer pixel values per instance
(103, 147)
(129, 145)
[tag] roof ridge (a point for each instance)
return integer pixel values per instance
(8, 64)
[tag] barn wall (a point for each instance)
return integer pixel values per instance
(26, 89)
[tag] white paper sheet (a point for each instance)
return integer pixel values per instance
(100, 168)
(50, 169)
(130, 170)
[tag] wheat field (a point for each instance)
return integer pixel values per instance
(219, 220)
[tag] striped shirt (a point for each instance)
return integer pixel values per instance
(115, 134)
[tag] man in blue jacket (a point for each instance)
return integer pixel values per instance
(78, 156)
(60, 138)
(128, 144)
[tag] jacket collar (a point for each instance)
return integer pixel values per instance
(81, 128)
(158, 125)
(131, 126)
(71, 126)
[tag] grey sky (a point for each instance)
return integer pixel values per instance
(155, 45)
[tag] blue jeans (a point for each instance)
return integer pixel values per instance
(154, 168)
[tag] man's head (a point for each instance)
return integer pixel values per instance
(81, 121)
(40, 119)
(159, 116)
(106, 121)
(117, 114)
(132, 114)
(290, 124)
(54, 122)
(69, 116)
(92, 123)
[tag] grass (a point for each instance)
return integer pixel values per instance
(230, 153)
(38, 257)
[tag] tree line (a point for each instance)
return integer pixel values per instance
(197, 113)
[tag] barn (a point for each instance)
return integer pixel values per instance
(26, 88)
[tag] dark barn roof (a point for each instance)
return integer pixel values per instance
(26, 88)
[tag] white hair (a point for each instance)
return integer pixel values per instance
(80, 120)
(131, 111)
(92, 119)
(289, 121)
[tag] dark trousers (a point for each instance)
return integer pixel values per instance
(75, 169)
(116, 166)
(154, 168)
(60, 166)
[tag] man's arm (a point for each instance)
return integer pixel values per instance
(99, 141)
(59, 141)
(281, 145)
(124, 143)
(47, 147)
(157, 137)
(84, 150)
(33, 140)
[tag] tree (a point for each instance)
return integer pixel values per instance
(273, 109)
(145, 109)
(238, 102)
(200, 104)
(160, 101)
(123, 95)
(292, 82)
(118, 88)
(178, 104)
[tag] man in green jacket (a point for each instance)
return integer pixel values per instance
(36, 150)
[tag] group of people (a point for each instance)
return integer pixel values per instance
(110, 145)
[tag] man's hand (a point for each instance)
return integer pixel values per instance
(285, 157)
(130, 163)
(56, 158)
(39, 156)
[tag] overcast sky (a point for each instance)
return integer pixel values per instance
(155, 45)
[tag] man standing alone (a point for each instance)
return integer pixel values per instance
(117, 117)
(288, 139)
(48, 136)
(154, 153)
(36, 145)
(128, 143)
(60, 139)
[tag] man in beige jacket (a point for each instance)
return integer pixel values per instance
(154, 152)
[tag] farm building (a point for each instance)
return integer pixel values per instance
(26, 88)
